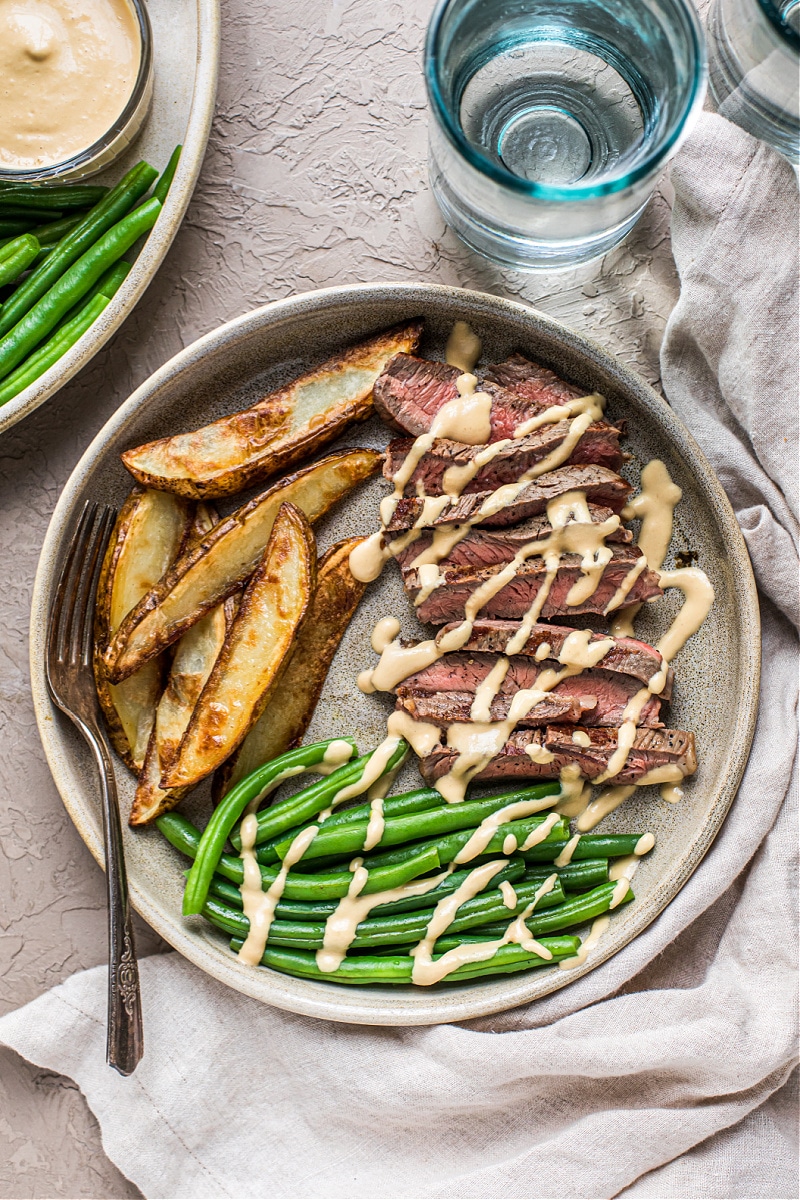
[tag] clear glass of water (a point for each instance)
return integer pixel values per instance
(551, 119)
(754, 68)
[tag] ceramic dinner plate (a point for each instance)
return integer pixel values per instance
(717, 672)
(185, 60)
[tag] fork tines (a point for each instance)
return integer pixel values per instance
(72, 612)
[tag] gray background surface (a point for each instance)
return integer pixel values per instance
(315, 175)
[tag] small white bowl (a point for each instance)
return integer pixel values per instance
(116, 140)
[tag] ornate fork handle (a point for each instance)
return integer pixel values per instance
(125, 1042)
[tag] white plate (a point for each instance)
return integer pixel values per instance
(717, 672)
(186, 58)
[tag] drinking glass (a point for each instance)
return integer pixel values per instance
(551, 119)
(754, 68)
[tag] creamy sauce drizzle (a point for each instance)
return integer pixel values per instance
(426, 971)
(599, 927)
(503, 816)
(463, 347)
(259, 906)
(352, 909)
(468, 419)
(654, 507)
(565, 857)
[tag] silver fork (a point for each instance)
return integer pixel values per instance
(70, 679)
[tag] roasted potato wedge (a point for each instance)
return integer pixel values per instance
(150, 528)
(255, 653)
(216, 568)
(283, 428)
(291, 706)
(195, 655)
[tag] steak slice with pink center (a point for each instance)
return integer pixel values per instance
(538, 386)
(599, 444)
(490, 547)
(600, 486)
(411, 391)
(652, 748)
(449, 600)
(628, 656)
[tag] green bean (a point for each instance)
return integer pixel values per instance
(449, 846)
(576, 911)
(165, 182)
(112, 208)
(72, 195)
(400, 928)
(293, 910)
(231, 807)
(591, 845)
(48, 235)
(347, 839)
(73, 284)
(52, 350)
(307, 804)
(54, 231)
(575, 877)
(393, 806)
(396, 969)
(9, 229)
(107, 285)
(16, 257)
(65, 334)
(26, 212)
(309, 888)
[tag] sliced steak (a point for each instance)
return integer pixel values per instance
(652, 748)
(410, 392)
(594, 698)
(490, 547)
(443, 708)
(536, 385)
(448, 601)
(600, 485)
(601, 695)
(599, 444)
(628, 656)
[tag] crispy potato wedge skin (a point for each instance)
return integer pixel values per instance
(291, 706)
(282, 429)
(255, 653)
(195, 655)
(219, 565)
(149, 530)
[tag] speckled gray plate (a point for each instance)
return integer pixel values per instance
(230, 368)
(185, 60)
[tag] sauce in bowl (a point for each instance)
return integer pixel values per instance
(67, 71)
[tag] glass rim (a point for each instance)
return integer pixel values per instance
(83, 158)
(780, 24)
(577, 191)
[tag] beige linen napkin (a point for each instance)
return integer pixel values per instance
(661, 1073)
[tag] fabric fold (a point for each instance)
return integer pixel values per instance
(661, 1073)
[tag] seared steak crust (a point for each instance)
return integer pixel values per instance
(601, 486)
(652, 748)
(599, 444)
(448, 601)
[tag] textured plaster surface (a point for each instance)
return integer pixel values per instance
(315, 175)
